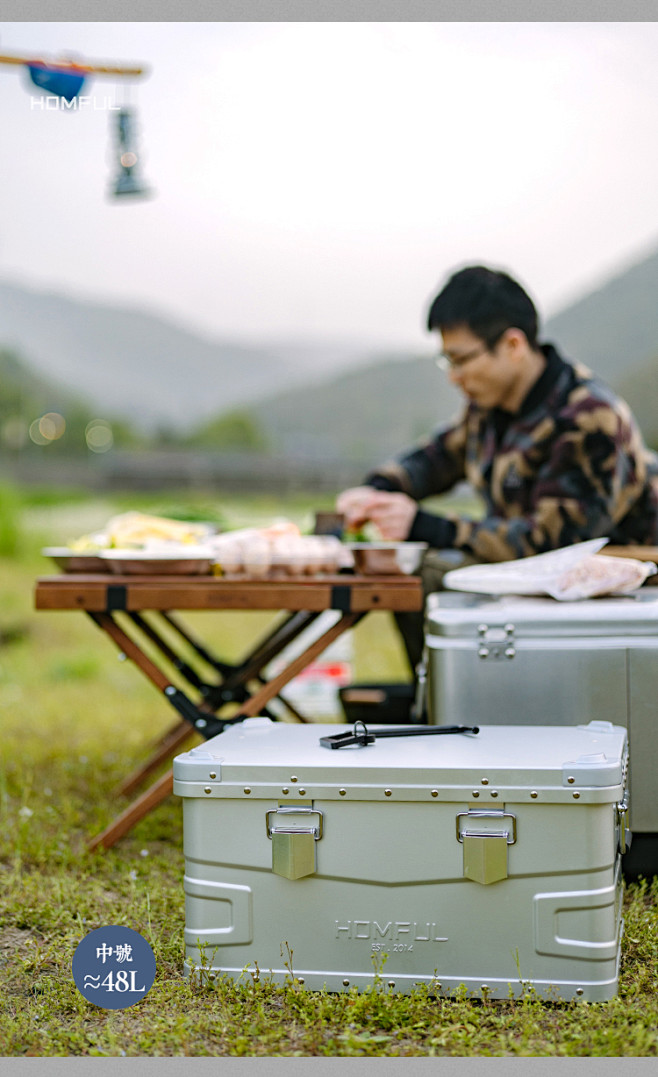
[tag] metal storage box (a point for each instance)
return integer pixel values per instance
(490, 861)
(535, 661)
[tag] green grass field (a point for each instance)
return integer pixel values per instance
(74, 722)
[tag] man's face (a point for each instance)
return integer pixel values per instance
(490, 376)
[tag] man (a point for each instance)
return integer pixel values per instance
(555, 455)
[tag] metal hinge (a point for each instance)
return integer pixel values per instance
(496, 642)
(293, 847)
(621, 815)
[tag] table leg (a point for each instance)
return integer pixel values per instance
(167, 747)
(253, 706)
(271, 688)
(136, 811)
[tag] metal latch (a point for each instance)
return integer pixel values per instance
(623, 833)
(293, 847)
(497, 642)
(485, 845)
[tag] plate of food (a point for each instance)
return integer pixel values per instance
(71, 560)
(169, 560)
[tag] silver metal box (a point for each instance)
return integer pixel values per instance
(491, 861)
(534, 661)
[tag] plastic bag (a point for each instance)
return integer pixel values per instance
(601, 575)
(567, 574)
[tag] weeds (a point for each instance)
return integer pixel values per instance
(74, 723)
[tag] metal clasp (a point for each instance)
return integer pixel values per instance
(485, 849)
(300, 809)
(486, 813)
(496, 642)
(293, 848)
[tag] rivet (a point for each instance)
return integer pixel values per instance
(302, 792)
(494, 793)
(207, 789)
(342, 792)
(300, 980)
(212, 774)
(247, 790)
(484, 781)
(285, 792)
(293, 778)
(579, 991)
(475, 793)
(391, 983)
(576, 796)
(571, 780)
(387, 792)
(435, 792)
(346, 983)
(534, 794)
(484, 987)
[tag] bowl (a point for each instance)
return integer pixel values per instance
(387, 558)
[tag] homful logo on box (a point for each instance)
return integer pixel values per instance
(390, 930)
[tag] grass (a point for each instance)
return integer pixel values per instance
(74, 721)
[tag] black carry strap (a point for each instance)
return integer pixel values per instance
(361, 736)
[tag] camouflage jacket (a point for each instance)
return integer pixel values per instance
(570, 465)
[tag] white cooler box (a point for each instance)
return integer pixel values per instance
(491, 861)
(514, 659)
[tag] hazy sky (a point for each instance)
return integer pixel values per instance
(323, 178)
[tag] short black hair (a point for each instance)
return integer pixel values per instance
(486, 301)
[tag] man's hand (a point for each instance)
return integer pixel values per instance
(392, 513)
(355, 505)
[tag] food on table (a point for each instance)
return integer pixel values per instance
(278, 550)
(137, 530)
(368, 532)
(254, 552)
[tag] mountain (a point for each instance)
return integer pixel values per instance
(148, 368)
(130, 362)
(613, 329)
(364, 415)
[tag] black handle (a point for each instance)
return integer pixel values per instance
(362, 737)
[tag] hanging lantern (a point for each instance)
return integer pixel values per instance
(64, 78)
(128, 180)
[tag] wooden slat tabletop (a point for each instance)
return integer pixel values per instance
(640, 553)
(102, 593)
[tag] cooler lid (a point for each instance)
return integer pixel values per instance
(261, 756)
(455, 614)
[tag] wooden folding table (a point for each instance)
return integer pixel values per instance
(139, 613)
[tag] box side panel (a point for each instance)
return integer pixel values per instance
(537, 687)
(392, 897)
(643, 739)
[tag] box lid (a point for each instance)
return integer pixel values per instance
(274, 758)
(453, 614)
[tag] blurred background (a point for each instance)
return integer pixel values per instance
(249, 315)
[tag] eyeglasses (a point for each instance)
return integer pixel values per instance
(447, 363)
